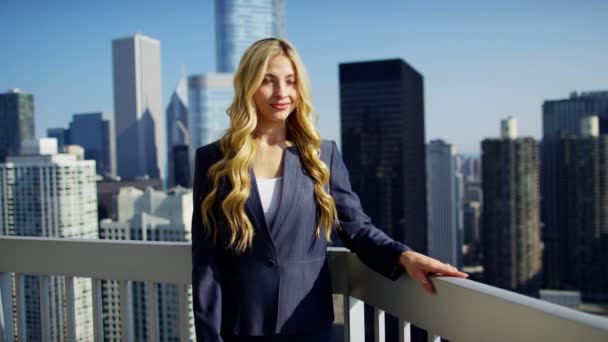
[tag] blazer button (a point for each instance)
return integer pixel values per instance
(271, 263)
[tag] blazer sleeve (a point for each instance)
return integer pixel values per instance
(206, 275)
(370, 244)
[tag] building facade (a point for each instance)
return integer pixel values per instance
(239, 23)
(209, 97)
(383, 146)
(138, 118)
(471, 168)
(585, 164)
(471, 217)
(108, 189)
(148, 215)
(180, 161)
(512, 248)
(562, 118)
(46, 194)
(96, 136)
(444, 198)
(178, 133)
(17, 117)
(61, 134)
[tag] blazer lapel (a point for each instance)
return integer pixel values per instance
(253, 207)
(291, 163)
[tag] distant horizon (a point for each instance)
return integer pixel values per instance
(480, 62)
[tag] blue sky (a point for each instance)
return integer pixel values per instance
(481, 60)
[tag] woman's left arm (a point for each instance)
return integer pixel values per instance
(373, 246)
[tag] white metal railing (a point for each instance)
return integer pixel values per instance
(124, 261)
(462, 310)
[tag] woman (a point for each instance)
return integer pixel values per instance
(267, 196)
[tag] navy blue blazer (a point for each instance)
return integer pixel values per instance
(282, 283)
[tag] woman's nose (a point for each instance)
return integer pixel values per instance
(280, 89)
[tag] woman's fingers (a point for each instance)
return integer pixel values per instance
(419, 266)
(447, 270)
(425, 282)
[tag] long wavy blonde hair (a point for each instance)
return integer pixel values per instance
(238, 146)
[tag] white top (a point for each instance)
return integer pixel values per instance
(270, 195)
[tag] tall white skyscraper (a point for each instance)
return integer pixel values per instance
(138, 111)
(209, 97)
(444, 192)
(239, 23)
(148, 215)
(46, 194)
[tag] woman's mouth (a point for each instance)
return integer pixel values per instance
(280, 106)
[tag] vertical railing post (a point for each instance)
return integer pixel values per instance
(184, 329)
(97, 310)
(379, 325)
(346, 311)
(2, 322)
(356, 319)
(6, 307)
(404, 331)
(152, 319)
(69, 304)
(21, 326)
(43, 291)
(190, 325)
(432, 337)
(126, 311)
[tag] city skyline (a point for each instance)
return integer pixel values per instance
(407, 91)
(481, 62)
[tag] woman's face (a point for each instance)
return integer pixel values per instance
(277, 96)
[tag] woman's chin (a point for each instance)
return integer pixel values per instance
(275, 118)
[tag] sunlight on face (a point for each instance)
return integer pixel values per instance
(277, 96)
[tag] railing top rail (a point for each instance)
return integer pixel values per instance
(464, 310)
(156, 261)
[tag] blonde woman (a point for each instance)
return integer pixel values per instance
(267, 196)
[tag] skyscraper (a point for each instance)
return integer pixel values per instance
(96, 136)
(178, 132)
(180, 160)
(209, 97)
(383, 147)
(139, 123)
(471, 218)
(382, 121)
(239, 23)
(471, 168)
(17, 117)
(148, 215)
(562, 118)
(444, 203)
(585, 164)
(46, 194)
(511, 241)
